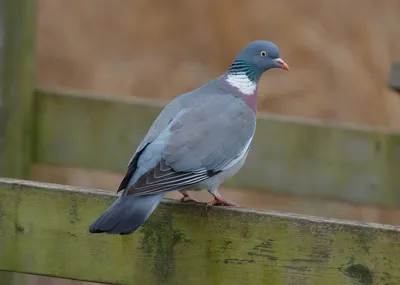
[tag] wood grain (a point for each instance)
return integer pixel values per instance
(17, 64)
(17, 80)
(45, 231)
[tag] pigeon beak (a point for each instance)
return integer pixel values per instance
(281, 64)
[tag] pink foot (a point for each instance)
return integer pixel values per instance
(188, 198)
(220, 201)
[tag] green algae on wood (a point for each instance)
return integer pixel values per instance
(45, 231)
(17, 82)
(354, 164)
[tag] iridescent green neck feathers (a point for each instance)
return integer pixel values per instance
(243, 76)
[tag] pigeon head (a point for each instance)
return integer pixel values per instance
(250, 64)
(262, 55)
(258, 57)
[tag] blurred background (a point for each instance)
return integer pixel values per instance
(339, 53)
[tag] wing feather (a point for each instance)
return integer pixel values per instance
(163, 178)
(198, 145)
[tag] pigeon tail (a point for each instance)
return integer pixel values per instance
(126, 214)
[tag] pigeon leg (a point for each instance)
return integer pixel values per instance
(219, 201)
(187, 198)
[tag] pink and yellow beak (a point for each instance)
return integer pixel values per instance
(281, 64)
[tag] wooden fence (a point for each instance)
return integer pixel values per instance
(44, 231)
(44, 228)
(356, 164)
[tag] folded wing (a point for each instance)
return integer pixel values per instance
(198, 144)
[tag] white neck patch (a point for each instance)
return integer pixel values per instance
(242, 82)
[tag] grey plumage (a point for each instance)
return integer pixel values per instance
(198, 141)
(126, 214)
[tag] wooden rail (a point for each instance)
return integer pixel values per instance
(44, 230)
(350, 163)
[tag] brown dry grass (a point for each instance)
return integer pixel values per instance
(339, 53)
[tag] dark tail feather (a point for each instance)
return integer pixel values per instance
(126, 214)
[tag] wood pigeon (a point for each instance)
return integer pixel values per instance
(198, 141)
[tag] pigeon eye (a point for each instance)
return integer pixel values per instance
(263, 53)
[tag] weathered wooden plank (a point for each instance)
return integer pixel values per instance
(5, 278)
(394, 81)
(14, 278)
(355, 164)
(45, 231)
(17, 70)
(17, 64)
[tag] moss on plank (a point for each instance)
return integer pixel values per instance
(45, 231)
(17, 82)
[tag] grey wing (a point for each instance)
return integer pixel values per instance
(171, 110)
(158, 126)
(201, 142)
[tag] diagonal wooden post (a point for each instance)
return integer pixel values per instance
(17, 82)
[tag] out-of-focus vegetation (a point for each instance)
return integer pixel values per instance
(339, 51)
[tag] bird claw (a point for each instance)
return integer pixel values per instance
(219, 201)
(188, 198)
